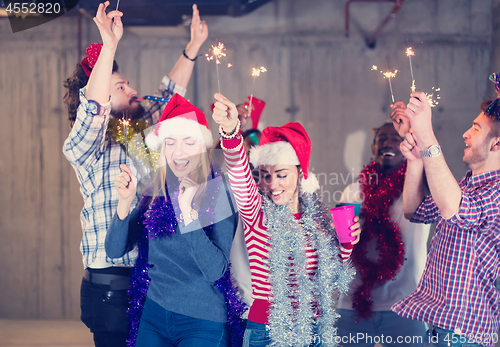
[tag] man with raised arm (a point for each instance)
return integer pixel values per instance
(97, 96)
(456, 293)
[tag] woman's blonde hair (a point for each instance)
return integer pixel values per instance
(199, 175)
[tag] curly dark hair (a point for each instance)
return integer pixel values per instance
(74, 83)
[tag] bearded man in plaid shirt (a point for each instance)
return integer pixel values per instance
(456, 293)
(96, 157)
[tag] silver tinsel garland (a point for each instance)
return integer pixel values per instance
(292, 318)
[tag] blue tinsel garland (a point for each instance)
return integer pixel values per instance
(159, 220)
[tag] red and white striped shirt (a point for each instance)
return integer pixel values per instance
(250, 202)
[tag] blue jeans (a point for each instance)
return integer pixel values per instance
(384, 327)
(104, 312)
(257, 335)
(159, 327)
(447, 338)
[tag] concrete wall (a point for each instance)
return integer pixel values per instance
(315, 75)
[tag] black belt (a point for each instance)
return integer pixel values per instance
(115, 282)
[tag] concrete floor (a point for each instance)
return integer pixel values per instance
(47, 333)
(44, 333)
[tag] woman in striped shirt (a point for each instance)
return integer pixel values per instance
(296, 262)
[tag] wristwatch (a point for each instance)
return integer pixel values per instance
(192, 215)
(431, 152)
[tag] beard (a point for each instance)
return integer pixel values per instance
(130, 111)
(476, 155)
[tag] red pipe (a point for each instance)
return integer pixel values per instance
(395, 9)
(371, 41)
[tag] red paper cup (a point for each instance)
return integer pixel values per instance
(343, 219)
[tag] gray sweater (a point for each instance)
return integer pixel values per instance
(185, 265)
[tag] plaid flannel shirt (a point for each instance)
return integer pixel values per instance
(457, 289)
(96, 162)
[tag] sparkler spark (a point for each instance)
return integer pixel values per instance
(256, 71)
(374, 68)
(430, 97)
(409, 52)
(389, 74)
(229, 65)
(217, 53)
(125, 122)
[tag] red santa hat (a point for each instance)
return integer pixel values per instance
(180, 117)
(286, 145)
(92, 52)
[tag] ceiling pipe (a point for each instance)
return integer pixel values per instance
(372, 39)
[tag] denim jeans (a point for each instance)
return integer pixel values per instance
(384, 327)
(446, 338)
(159, 327)
(257, 335)
(104, 312)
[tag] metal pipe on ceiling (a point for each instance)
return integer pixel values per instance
(371, 40)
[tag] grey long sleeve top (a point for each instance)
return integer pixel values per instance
(185, 265)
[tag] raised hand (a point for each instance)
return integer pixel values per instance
(409, 147)
(199, 29)
(110, 25)
(225, 113)
(187, 191)
(126, 183)
(400, 119)
(419, 112)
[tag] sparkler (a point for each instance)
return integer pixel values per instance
(217, 53)
(125, 122)
(255, 73)
(117, 4)
(430, 97)
(389, 75)
(409, 53)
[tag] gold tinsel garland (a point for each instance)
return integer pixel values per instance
(137, 148)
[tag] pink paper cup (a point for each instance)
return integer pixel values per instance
(343, 219)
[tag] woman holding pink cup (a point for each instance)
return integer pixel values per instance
(296, 262)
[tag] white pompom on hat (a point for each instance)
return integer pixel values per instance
(286, 145)
(180, 117)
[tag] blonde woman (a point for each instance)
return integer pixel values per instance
(188, 225)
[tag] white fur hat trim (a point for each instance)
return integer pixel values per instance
(179, 126)
(310, 184)
(282, 153)
(274, 153)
